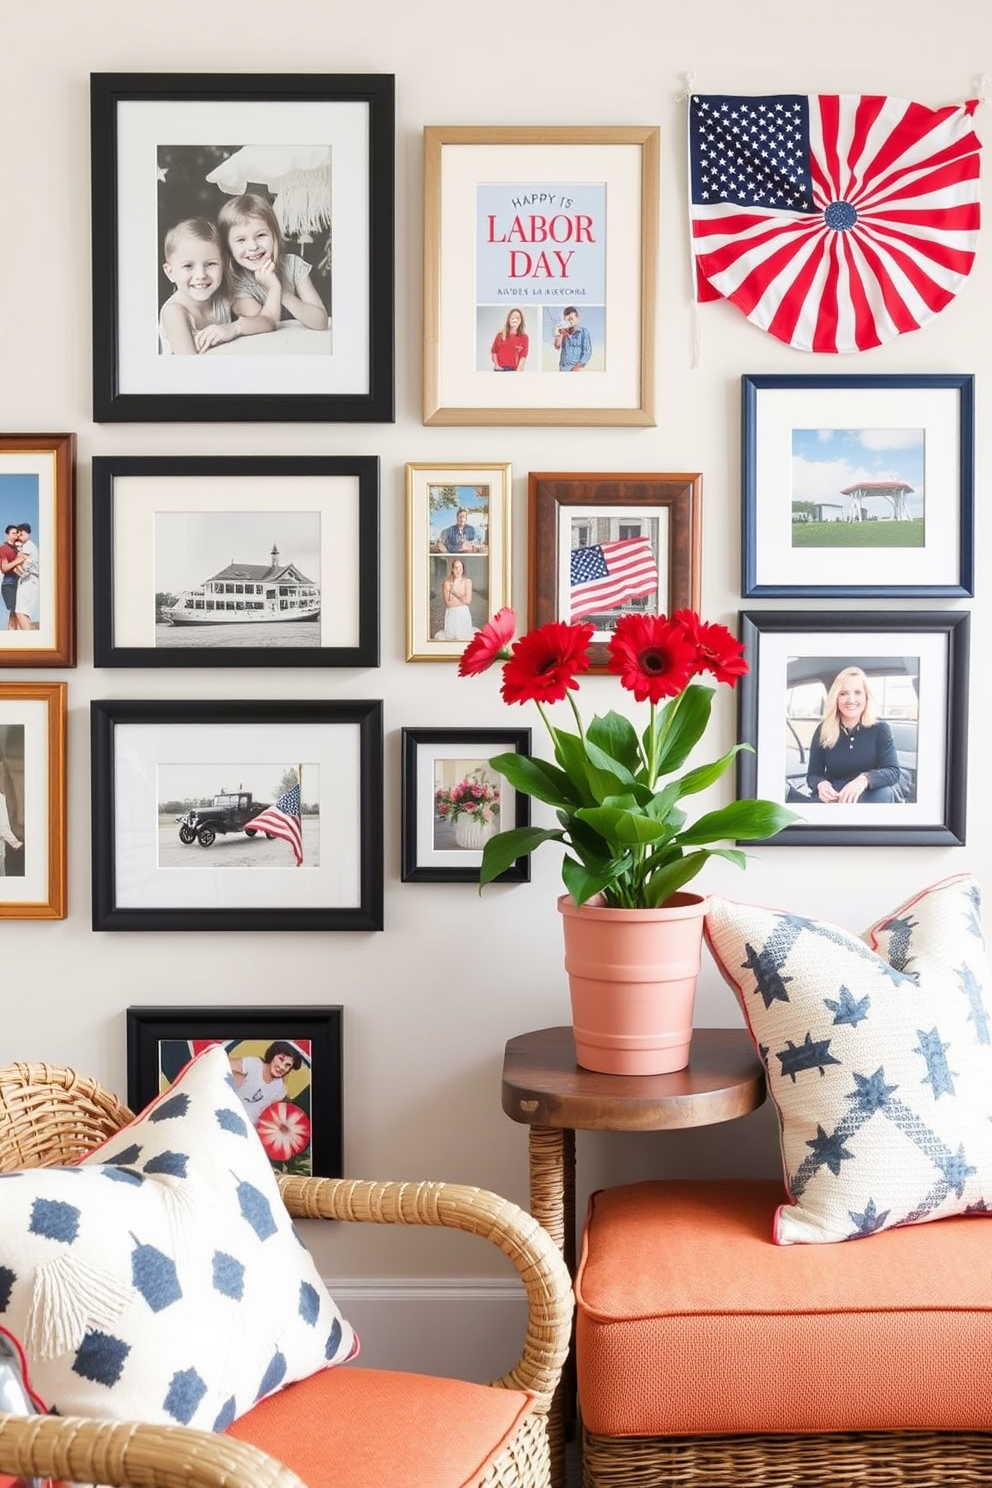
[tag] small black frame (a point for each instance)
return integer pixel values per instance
(160, 1040)
(357, 558)
(423, 861)
(345, 736)
(134, 114)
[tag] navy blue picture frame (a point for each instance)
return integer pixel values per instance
(756, 389)
(761, 713)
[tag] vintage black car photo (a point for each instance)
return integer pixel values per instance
(230, 811)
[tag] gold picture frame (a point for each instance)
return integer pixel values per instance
(445, 609)
(33, 790)
(553, 222)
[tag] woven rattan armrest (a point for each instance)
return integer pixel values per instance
(115, 1453)
(475, 1211)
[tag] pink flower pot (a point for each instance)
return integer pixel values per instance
(632, 979)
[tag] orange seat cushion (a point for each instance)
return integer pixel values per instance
(352, 1428)
(692, 1322)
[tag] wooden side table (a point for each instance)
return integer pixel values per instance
(544, 1088)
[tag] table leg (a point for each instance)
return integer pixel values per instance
(552, 1203)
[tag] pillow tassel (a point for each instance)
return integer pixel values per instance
(70, 1297)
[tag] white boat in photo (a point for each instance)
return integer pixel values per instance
(248, 594)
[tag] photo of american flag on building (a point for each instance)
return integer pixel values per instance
(613, 567)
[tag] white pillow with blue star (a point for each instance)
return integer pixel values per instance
(161, 1279)
(878, 1057)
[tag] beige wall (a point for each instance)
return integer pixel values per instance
(430, 1002)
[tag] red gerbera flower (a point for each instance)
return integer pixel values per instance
(654, 657)
(546, 662)
(488, 644)
(285, 1130)
(718, 650)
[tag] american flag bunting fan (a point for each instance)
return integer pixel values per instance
(283, 820)
(835, 221)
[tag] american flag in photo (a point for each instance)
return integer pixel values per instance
(835, 221)
(606, 574)
(283, 820)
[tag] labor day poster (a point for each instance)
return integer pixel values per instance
(541, 277)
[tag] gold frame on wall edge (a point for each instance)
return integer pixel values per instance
(456, 389)
(50, 902)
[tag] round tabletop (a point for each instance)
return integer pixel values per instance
(543, 1085)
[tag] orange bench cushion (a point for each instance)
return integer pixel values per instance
(352, 1428)
(692, 1322)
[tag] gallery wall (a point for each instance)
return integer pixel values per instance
(430, 1001)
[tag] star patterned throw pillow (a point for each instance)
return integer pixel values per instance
(161, 1279)
(878, 1056)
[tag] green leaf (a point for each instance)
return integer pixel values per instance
(661, 805)
(706, 775)
(680, 725)
(570, 752)
(581, 882)
(502, 851)
(745, 821)
(593, 849)
(616, 736)
(604, 774)
(671, 879)
(537, 778)
(628, 828)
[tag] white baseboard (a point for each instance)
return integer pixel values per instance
(465, 1328)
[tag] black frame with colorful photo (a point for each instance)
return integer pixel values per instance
(415, 866)
(149, 1027)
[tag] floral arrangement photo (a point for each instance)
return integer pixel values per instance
(617, 797)
(473, 797)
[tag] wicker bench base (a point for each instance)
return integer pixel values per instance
(874, 1459)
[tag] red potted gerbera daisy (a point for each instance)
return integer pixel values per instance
(629, 849)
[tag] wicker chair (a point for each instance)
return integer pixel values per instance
(51, 1116)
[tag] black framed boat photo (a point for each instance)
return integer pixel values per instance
(236, 561)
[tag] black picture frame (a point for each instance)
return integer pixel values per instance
(133, 115)
(160, 1040)
(338, 487)
(424, 861)
(134, 742)
(906, 655)
(873, 431)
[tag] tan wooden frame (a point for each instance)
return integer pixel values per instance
(61, 562)
(54, 695)
(438, 137)
(420, 645)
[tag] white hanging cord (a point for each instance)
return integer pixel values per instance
(695, 334)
